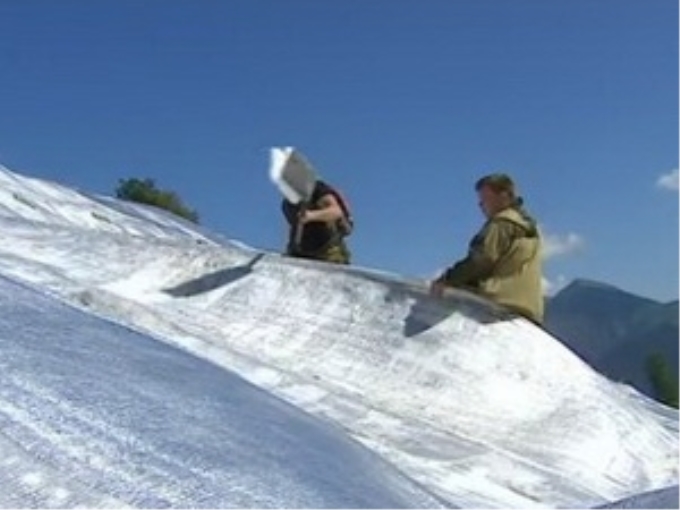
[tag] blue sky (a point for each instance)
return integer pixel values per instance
(402, 104)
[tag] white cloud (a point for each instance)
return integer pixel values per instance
(552, 287)
(557, 245)
(669, 181)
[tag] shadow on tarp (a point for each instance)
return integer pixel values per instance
(427, 311)
(212, 281)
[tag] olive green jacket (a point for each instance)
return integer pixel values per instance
(504, 264)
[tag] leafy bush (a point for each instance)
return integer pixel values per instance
(146, 192)
(665, 383)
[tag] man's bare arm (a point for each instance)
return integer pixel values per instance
(330, 211)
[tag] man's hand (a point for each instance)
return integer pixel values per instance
(329, 211)
(307, 216)
(437, 288)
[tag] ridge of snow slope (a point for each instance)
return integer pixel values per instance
(94, 414)
(480, 408)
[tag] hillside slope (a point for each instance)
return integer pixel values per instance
(615, 331)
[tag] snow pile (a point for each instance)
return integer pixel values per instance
(93, 414)
(481, 409)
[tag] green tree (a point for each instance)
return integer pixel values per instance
(664, 382)
(145, 192)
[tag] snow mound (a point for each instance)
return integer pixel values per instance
(94, 414)
(481, 408)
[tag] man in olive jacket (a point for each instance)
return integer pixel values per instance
(504, 259)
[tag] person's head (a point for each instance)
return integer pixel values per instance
(496, 192)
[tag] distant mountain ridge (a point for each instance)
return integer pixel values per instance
(615, 331)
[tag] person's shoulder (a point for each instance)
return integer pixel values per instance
(507, 214)
(512, 215)
(514, 221)
(500, 225)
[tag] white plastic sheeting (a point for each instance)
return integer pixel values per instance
(93, 414)
(482, 409)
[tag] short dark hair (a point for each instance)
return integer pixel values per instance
(497, 182)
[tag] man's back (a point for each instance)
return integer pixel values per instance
(515, 279)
